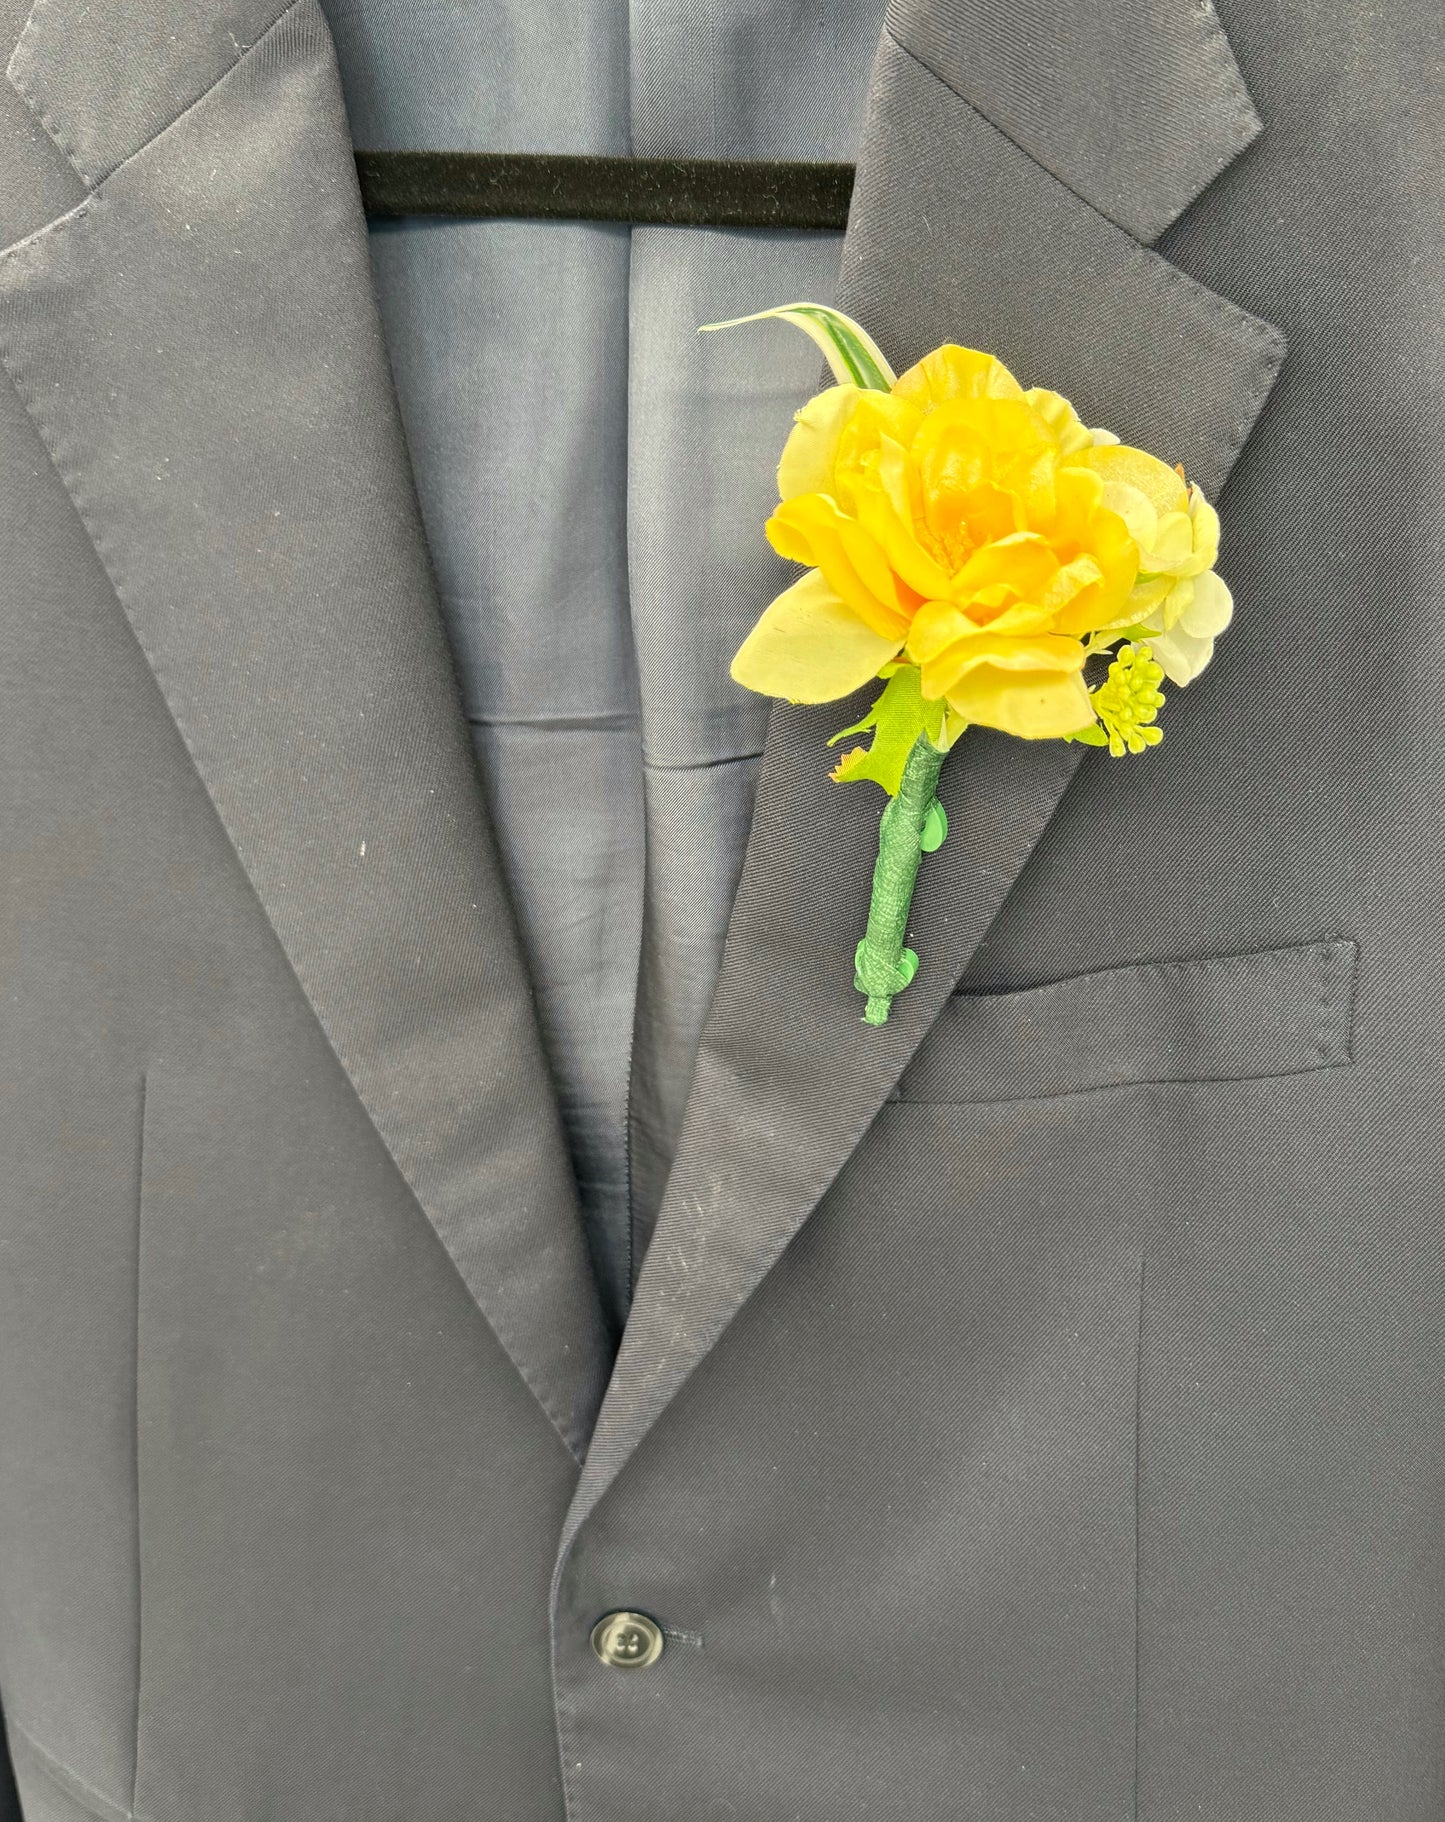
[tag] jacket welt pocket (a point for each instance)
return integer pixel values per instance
(1215, 1019)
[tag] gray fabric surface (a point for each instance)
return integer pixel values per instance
(51, 1792)
(1056, 1458)
(510, 76)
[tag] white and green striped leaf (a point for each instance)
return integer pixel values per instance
(853, 357)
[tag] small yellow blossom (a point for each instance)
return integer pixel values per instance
(1127, 701)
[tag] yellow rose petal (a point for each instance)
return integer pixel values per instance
(1084, 527)
(809, 646)
(1204, 521)
(1145, 595)
(1039, 705)
(877, 419)
(894, 535)
(890, 468)
(952, 372)
(1057, 415)
(1159, 482)
(1069, 581)
(1172, 549)
(1001, 652)
(1080, 494)
(806, 465)
(1026, 651)
(811, 529)
(1136, 509)
(1024, 560)
(935, 627)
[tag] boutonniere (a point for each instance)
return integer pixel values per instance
(993, 562)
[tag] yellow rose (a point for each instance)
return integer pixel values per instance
(981, 532)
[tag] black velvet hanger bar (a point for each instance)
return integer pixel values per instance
(677, 192)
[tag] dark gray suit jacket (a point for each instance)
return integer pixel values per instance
(1030, 1411)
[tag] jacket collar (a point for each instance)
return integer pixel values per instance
(198, 345)
(257, 518)
(1134, 105)
(956, 232)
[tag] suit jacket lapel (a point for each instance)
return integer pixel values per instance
(198, 346)
(955, 233)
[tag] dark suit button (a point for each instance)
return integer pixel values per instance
(627, 1641)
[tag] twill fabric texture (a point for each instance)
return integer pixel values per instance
(447, 1192)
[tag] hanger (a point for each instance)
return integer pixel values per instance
(678, 192)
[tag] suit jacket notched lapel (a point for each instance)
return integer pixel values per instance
(256, 516)
(1021, 230)
(199, 348)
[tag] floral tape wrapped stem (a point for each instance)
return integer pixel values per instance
(912, 825)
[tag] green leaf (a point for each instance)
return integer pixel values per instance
(908, 966)
(852, 355)
(935, 828)
(896, 719)
(1091, 736)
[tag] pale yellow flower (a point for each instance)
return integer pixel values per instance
(1184, 643)
(1178, 598)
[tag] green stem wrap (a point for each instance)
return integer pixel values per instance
(912, 823)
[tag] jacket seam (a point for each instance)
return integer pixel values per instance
(1265, 339)
(1201, 1079)
(33, 102)
(1245, 116)
(1267, 335)
(94, 1802)
(1334, 950)
(93, 180)
(136, 1419)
